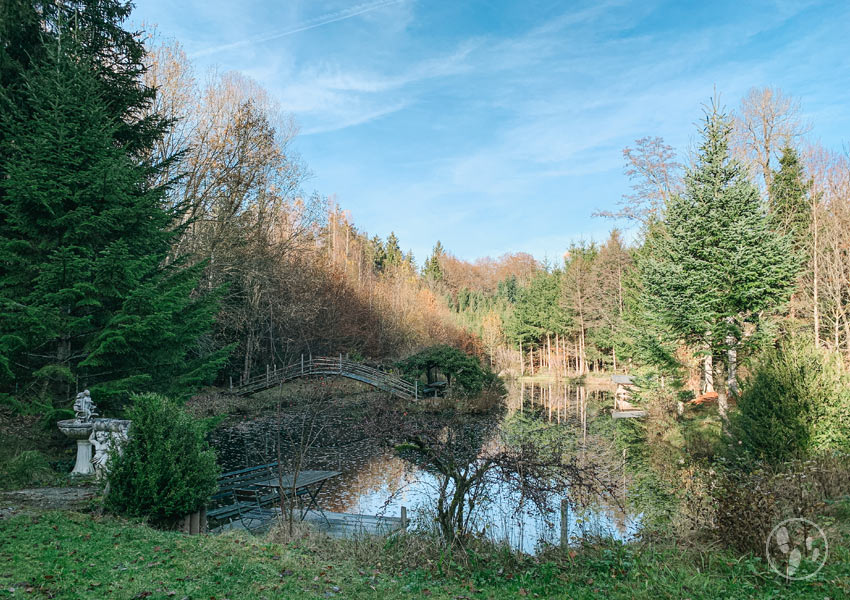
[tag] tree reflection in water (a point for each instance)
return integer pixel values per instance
(376, 479)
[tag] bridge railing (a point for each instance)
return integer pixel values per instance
(324, 365)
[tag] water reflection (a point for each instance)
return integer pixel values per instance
(376, 481)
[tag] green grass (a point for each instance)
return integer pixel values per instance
(73, 555)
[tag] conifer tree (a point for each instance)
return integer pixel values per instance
(86, 295)
(394, 255)
(378, 254)
(538, 310)
(717, 262)
(789, 197)
(432, 271)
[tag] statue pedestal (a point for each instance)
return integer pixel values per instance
(83, 465)
(80, 431)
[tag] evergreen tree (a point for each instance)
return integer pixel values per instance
(410, 260)
(508, 289)
(394, 255)
(717, 262)
(379, 256)
(538, 310)
(432, 271)
(85, 296)
(789, 197)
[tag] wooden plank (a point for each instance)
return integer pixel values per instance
(334, 524)
(628, 414)
(304, 479)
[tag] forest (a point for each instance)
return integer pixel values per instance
(160, 244)
(242, 267)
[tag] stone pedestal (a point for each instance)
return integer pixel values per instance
(83, 465)
(80, 431)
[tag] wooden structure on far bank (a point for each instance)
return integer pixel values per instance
(623, 408)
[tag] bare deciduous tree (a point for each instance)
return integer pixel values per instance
(766, 120)
(655, 175)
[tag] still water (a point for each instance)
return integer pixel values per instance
(375, 481)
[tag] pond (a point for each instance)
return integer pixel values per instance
(376, 481)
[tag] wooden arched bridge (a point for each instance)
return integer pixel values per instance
(326, 365)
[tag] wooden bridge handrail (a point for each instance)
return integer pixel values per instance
(326, 365)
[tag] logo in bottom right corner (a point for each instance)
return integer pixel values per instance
(797, 549)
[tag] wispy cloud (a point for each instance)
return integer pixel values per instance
(507, 119)
(320, 21)
(329, 96)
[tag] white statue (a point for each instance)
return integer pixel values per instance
(84, 407)
(109, 435)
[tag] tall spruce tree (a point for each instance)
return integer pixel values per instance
(717, 262)
(538, 311)
(789, 197)
(87, 295)
(432, 270)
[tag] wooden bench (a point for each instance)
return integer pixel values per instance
(224, 505)
(254, 488)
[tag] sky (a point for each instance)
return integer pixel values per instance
(498, 126)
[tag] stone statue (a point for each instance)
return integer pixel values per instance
(108, 435)
(84, 407)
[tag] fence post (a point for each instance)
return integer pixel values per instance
(624, 476)
(195, 523)
(302, 364)
(340, 363)
(416, 390)
(267, 373)
(404, 517)
(231, 383)
(565, 523)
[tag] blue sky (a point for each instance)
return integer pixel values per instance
(499, 126)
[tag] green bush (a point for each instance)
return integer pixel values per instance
(796, 402)
(462, 370)
(166, 469)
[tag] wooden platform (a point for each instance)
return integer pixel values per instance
(341, 525)
(628, 414)
(348, 525)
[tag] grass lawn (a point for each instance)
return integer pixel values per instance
(75, 555)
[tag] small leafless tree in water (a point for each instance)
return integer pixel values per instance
(469, 456)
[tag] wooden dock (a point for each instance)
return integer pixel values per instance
(628, 414)
(623, 409)
(340, 525)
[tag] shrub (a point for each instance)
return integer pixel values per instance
(748, 504)
(461, 370)
(796, 402)
(166, 469)
(30, 467)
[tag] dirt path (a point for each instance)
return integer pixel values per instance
(46, 498)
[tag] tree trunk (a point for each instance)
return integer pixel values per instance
(815, 275)
(708, 373)
(732, 371)
(722, 399)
